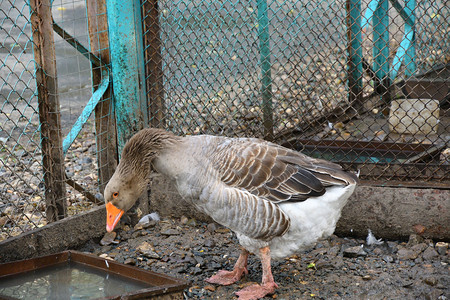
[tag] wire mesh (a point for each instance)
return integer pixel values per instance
(21, 183)
(22, 186)
(286, 71)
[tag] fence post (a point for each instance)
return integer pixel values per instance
(153, 67)
(128, 76)
(127, 62)
(266, 74)
(49, 115)
(354, 40)
(105, 123)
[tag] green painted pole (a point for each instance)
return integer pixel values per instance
(266, 74)
(127, 64)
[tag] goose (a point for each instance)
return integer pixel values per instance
(276, 200)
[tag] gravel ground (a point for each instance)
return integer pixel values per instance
(337, 268)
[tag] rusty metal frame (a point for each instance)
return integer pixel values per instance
(161, 284)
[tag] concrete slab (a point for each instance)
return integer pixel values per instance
(390, 212)
(62, 235)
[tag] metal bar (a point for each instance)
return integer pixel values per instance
(105, 122)
(77, 45)
(406, 51)
(153, 59)
(83, 191)
(354, 40)
(266, 77)
(128, 74)
(369, 14)
(125, 36)
(87, 111)
(401, 12)
(49, 116)
(381, 47)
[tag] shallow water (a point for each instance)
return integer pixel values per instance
(67, 281)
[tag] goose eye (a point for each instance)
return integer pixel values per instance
(115, 195)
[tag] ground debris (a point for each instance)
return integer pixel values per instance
(337, 268)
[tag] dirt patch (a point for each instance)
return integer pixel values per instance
(337, 268)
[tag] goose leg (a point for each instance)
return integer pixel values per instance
(267, 286)
(229, 277)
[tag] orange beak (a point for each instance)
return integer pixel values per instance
(113, 215)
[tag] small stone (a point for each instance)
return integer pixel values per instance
(405, 254)
(367, 277)
(441, 248)
(392, 246)
(210, 288)
(86, 160)
(414, 239)
(334, 251)
(138, 226)
(183, 220)
(388, 258)
(3, 221)
(377, 251)
(191, 222)
(419, 247)
(28, 191)
(355, 252)
(105, 256)
(99, 197)
(430, 254)
(323, 264)
(147, 250)
(209, 243)
(170, 231)
(108, 238)
(430, 280)
(211, 227)
(337, 262)
(130, 261)
(200, 260)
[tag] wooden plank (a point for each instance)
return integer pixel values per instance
(105, 123)
(49, 115)
(153, 63)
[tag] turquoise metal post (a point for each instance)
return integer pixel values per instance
(354, 41)
(407, 45)
(266, 74)
(381, 44)
(127, 63)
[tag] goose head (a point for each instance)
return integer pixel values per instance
(131, 176)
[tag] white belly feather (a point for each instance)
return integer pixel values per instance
(311, 220)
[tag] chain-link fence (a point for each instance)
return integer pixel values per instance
(365, 83)
(21, 182)
(46, 81)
